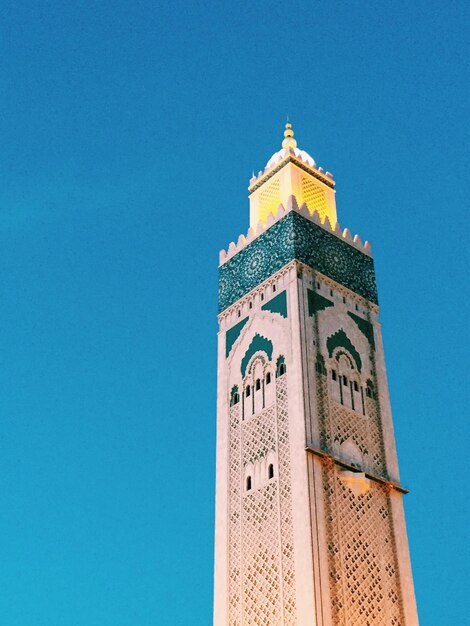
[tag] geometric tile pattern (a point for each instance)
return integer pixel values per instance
(295, 237)
(261, 565)
(364, 585)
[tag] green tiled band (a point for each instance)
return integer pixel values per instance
(296, 237)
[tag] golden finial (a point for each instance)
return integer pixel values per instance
(289, 141)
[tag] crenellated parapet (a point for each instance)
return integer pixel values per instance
(282, 211)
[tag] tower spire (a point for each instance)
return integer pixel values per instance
(289, 141)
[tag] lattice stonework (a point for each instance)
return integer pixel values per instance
(339, 424)
(314, 196)
(363, 430)
(322, 407)
(270, 197)
(235, 482)
(364, 584)
(261, 561)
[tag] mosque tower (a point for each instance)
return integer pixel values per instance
(310, 529)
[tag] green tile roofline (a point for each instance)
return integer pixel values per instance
(299, 238)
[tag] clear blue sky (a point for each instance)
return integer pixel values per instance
(129, 132)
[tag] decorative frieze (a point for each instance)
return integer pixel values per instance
(294, 237)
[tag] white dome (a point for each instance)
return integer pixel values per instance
(281, 154)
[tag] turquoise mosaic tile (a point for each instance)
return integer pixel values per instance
(295, 237)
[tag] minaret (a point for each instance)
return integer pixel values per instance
(310, 528)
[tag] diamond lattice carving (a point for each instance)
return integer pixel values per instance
(285, 503)
(270, 198)
(235, 468)
(322, 408)
(261, 561)
(259, 435)
(314, 196)
(364, 585)
(260, 558)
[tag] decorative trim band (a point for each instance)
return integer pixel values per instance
(326, 456)
(291, 159)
